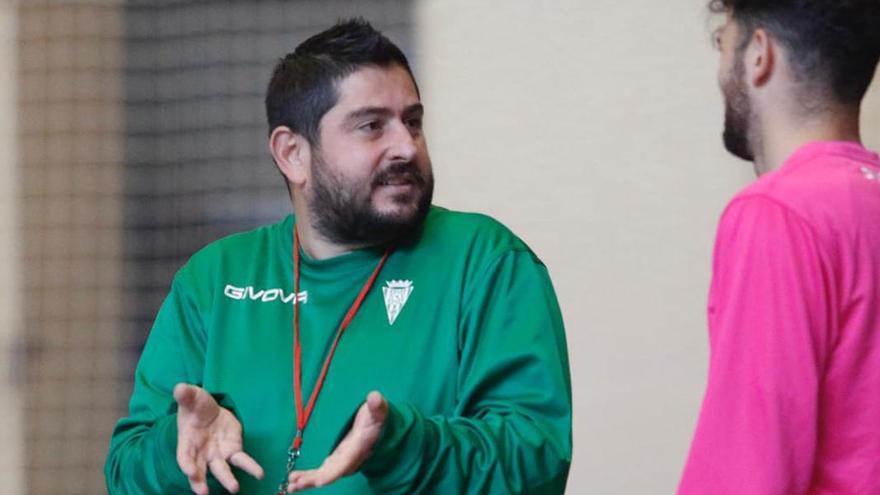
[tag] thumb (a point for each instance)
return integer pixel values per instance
(185, 395)
(377, 407)
(195, 401)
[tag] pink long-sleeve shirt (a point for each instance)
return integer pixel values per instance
(792, 404)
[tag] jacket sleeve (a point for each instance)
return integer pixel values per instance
(769, 337)
(142, 456)
(511, 431)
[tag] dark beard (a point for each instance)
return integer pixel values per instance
(343, 213)
(737, 114)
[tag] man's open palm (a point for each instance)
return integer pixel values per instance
(209, 437)
(351, 452)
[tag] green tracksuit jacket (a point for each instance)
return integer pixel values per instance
(461, 333)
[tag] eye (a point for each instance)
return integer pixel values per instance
(414, 123)
(716, 39)
(371, 126)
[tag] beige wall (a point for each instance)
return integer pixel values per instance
(10, 404)
(593, 130)
(72, 128)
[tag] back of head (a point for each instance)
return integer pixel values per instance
(834, 45)
(303, 84)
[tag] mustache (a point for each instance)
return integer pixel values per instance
(407, 171)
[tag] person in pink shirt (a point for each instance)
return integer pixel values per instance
(792, 404)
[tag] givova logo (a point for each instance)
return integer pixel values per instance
(265, 295)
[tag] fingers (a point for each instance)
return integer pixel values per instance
(351, 451)
(247, 464)
(187, 461)
(301, 480)
(222, 472)
(193, 467)
(195, 470)
(197, 482)
(314, 478)
(344, 460)
(189, 458)
(224, 475)
(199, 487)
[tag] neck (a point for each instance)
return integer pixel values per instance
(316, 246)
(783, 135)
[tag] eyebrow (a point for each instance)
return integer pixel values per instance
(365, 112)
(414, 108)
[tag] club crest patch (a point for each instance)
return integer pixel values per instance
(396, 294)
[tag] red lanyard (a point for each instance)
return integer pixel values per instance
(303, 414)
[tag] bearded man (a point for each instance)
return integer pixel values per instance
(369, 343)
(792, 404)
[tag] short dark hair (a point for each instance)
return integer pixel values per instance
(304, 83)
(834, 44)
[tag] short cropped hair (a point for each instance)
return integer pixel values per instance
(834, 45)
(304, 83)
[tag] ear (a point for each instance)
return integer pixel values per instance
(292, 154)
(760, 58)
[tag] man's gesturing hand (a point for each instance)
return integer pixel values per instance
(208, 436)
(351, 452)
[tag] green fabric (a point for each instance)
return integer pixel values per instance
(474, 367)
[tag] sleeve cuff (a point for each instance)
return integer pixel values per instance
(166, 451)
(170, 475)
(398, 449)
(226, 402)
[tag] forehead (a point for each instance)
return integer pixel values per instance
(726, 34)
(733, 27)
(371, 86)
(725, 24)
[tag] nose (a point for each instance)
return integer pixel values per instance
(403, 144)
